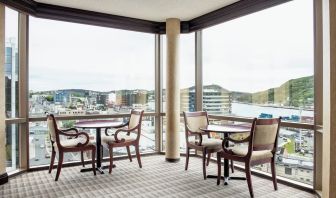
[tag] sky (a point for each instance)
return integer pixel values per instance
(261, 50)
(251, 53)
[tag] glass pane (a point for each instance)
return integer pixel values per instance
(89, 69)
(261, 65)
(12, 147)
(295, 155)
(187, 72)
(40, 146)
(11, 62)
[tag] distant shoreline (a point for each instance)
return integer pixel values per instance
(274, 106)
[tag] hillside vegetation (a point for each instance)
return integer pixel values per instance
(295, 92)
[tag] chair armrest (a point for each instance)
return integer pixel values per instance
(76, 136)
(196, 133)
(70, 129)
(123, 130)
(199, 134)
(123, 125)
(234, 141)
(66, 132)
(86, 136)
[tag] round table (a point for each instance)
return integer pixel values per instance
(226, 130)
(98, 125)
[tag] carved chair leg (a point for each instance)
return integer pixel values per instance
(138, 154)
(59, 166)
(218, 168)
(274, 175)
(208, 160)
(232, 167)
(187, 158)
(82, 158)
(111, 159)
(52, 160)
(248, 178)
(203, 163)
(94, 160)
(129, 153)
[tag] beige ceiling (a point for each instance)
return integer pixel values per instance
(153, 10)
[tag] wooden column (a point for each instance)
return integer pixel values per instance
(173, 91)
(3, 174)
(329, 99)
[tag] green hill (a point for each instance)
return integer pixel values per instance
(295, 93)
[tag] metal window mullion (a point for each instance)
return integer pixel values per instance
(23, 91)
(198, 71)
(158, 92)
(2, 95)
(318, 93)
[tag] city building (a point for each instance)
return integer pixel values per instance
(102, 99)
(62, 97)
(216, 100)
(11, 106)
(129, 97)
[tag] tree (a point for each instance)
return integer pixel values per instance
(49, 98)
(68, 123)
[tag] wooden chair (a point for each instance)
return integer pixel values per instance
(72, 141)
(125, 140)
(237, 136)
(262, 145)
(193, 122)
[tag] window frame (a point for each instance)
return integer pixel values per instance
(23, 119)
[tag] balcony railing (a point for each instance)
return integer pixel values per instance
(296, 164)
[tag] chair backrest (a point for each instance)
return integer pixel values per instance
(265, 134)
(135, 119)
(195, 120)
(52, 127)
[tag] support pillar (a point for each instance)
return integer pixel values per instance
(173, 91)
(3, 174)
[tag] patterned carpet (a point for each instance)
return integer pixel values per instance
(157, 178)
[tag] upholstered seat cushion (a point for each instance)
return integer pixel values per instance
(110, 139)
(209, 142)
(256, 155)
(71, 143)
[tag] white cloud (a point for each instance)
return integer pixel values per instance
(252, 53)
(261, 50)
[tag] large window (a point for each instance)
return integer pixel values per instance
(261, 65)
(263, 62)
(11, 62)
(77, 69)
(11, 87)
